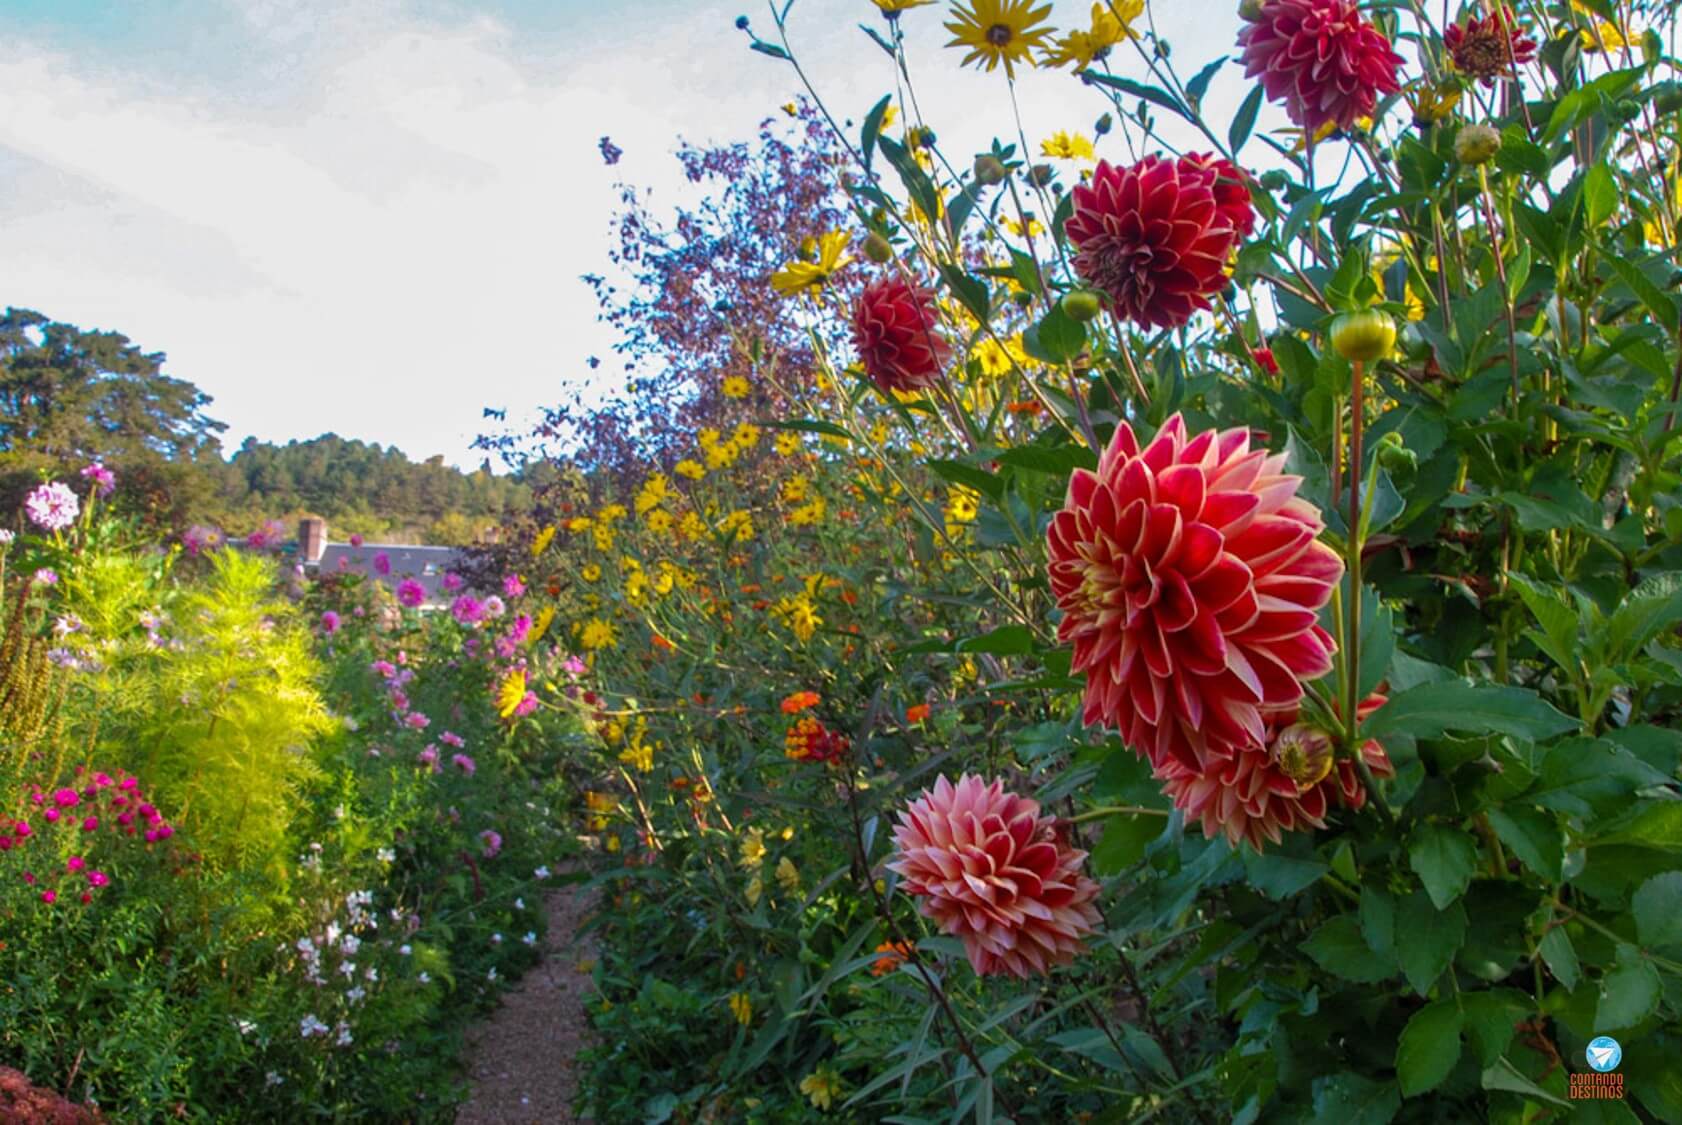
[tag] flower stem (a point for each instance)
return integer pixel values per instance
(1352, 635)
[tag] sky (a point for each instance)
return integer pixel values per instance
(370, 217)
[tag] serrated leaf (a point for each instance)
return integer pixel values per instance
(1354, 1099)
(1338, 948)
(1281, 872)
(1433, 709)
(1649, 609)
(1429, 1047)
(1056, 338)
(1628, 993)
(1534, 836)
(1378, 920)
(1660, 306)
(1124, 841)
(971, 291)
(1444, 859)
(1561, 957)
(1657, 906)
(1433, 938)
(1491, 1019)
(1505, 1076)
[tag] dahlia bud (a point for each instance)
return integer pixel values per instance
(989, 171)
(1275, 180)
(1039, 175)
(1303, 753)
(1364, 336)
(1476, 144)
(1251, 10)
(878, 249)
(1080, 305)
(1103, 125)
(1395, 456)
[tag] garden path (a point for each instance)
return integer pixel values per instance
(522, 1060)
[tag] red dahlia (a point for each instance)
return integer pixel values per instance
(1321, 59)
(1258, 794)
(1154, 238)
(994, 873)
(1489, 48)
(896, 333)
(1189, 575)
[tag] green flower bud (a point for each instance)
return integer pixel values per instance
(1364, 336)
(1080, 305)
(989, 171)
(1040, 175)
(1476, 144)
(1275, 180)
(877, 248)
(1251, 10)
(1395, 456)
(1103, 125)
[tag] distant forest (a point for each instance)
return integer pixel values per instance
(69, 396)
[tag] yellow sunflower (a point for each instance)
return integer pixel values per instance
(735, 386)
(1112, 22)
(511, 694)
(999, 32)
(1067, 146)
(800, 275)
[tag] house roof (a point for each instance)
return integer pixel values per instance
(427, 565)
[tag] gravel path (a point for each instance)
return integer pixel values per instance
(522, 1058)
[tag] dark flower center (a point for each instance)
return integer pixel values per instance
(1483, 53)
(1000, 35)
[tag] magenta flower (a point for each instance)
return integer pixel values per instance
(104, 480)
(66, 798)
(410, 592)
(52, 506)
(417, 721)
(22, 830)
(466, 609)
(526, 706)
(46, 576)
(451, 738)
(513, 586)
(355, 540)
(428, 756)
(329, 622)
(98, 879)
(521, 629)
(74, 864)
(452, 582)
(382, 563)
(49, 897)
(385, 669)
(465, 764)
(492, 841)
(199, 538)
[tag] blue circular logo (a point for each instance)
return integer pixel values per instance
(1604, 1053)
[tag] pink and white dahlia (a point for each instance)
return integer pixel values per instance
(1258, 795)
(992, 872)
(1321, 59)
(1189, 575)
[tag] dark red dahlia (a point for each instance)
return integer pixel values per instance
(1154, 238)
(1321, 59)
(1190, 575)
(1489, 48)
(896, 333)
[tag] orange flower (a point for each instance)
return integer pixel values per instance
(799, 702)
(662, 642)
(893, 955)
(1024, 406)
(917, 714)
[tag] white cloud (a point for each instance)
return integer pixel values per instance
(373, 220)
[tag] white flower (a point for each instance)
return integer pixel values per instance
(496, 939)
(309, 1026)
(356, 995)
(245, 1027)
(370, 974)
(272, 1079)
(404, 950)
(492, 974)
(541, 873)
(348, 968)
(6, 537)
(519, 904)
(424, 977)
(385, 855)
(530, 938)
(344, 1034)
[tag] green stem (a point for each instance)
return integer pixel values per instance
(1116, 810)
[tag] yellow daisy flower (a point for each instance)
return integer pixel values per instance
(999, 32)
(511, 694)
(689, 468)
(799, 276)
(1112, 22)
(1067, 146)
(597, 634)
(544, 538)
(735, 386)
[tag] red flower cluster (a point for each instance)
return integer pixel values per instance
(1321, 59)
(1154, 238)
(810, 741)
(71, 818)
(994, 873)
(1189, 575)
(1287, 785)
(896, 333)
(1489, 48)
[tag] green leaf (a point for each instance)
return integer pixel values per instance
(1156, 95)
(1126, 836)
(1006, 640)
(1337, 947)
(1649, 609)
(1628, 994)
(1490, 1018)
(1429, 1047)
(1505, 1076)
(1353, 1099)
(911, 174)
(1432, 709)
(1444, 859)
(1657, 825)
(1244, 122)
(1657, 906)
(1600, 194)
(1432, 939)
(988, 484)
(1378, 919)
(1534, 836)
(1058, 460)
(1281, 872)
(970, 291)
(1056, 339)
(873, 128)
(808, 426)
(1561, 957)
(1199, 84)
(1650, 295)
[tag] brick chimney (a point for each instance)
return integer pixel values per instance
(312, 539)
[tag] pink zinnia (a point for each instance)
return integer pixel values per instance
(993, 872)
(465, 764)
(382, 563)
(513, 586)
(74, 864)
(1189, 575)
(467, 609)
(52, 506)
(1319, 58)
(66, 798)
(355, 539)
(492, 841)
(410, 592)
(452, 582)
(451, 738)
(1154, 238)
(49, 897)
(329, 622)
(98, 878)
(416, 720)
(103, 479)
(428, 755)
